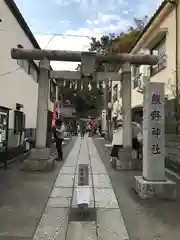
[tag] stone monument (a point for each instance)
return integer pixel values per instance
(153, 181)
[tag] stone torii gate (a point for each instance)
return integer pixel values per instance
(39, 158)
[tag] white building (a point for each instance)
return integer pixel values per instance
(161, 36)
(116, 100)
(18, 78)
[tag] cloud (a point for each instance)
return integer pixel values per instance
(78, 40)
(84, 18)
(95, 5)
(104, 18)
(61, 2)
(81, 42)
(146, 7)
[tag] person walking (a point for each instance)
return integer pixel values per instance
(89, 130)
(117, 141)
(100, 129)
(59, 137)
(82, 128)
(137, 139)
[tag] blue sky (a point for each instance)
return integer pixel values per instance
(80, 17)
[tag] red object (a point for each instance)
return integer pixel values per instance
(90, 121)
(54, 116)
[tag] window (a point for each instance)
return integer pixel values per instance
(109, 95)
(136, 75)
(33, 70)
(19, 121)
(52, 91)
(28, 66)
(52, 87)
(24, 64)
(115, 93)
(160, 51)
(136, 70)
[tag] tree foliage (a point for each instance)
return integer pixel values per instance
(114, 44)
(90, 100)
(86, 102)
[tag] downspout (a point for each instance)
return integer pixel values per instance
(175, 3)
(177, 74)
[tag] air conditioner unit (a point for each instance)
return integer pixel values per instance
(142, 81)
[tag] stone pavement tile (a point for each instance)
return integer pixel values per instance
(74, 152)
(105, 198)
(101, 181)
(70, 163)
(59, 202)
(152, 219)
(111, 225)
(53, 224)
(67, 170)
(61, 192)
(90, 180)
(14, 238)
(91, 203)
(98, 169)
(83, 158)
(64, 180)
(24, 196)
(81, 231)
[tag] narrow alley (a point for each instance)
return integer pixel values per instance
(55, 222)
(43, 206)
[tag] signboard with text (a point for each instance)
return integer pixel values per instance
(83, 175)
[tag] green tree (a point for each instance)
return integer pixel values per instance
(85, 103)
(90, 100)
(110, 44)
(141, 23)
(103, 45)
(67, 90)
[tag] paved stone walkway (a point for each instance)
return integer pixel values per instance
(23, 198)
(148, 219)
(108, 224)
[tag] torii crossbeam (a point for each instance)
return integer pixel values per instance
(87, 72)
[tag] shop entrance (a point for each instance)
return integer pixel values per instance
(4, 123)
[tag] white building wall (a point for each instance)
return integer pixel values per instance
(15, 86)
(167, 75)
(117, 104)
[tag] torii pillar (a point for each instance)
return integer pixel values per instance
(41, 152)
(39, 158)
(126, 103)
